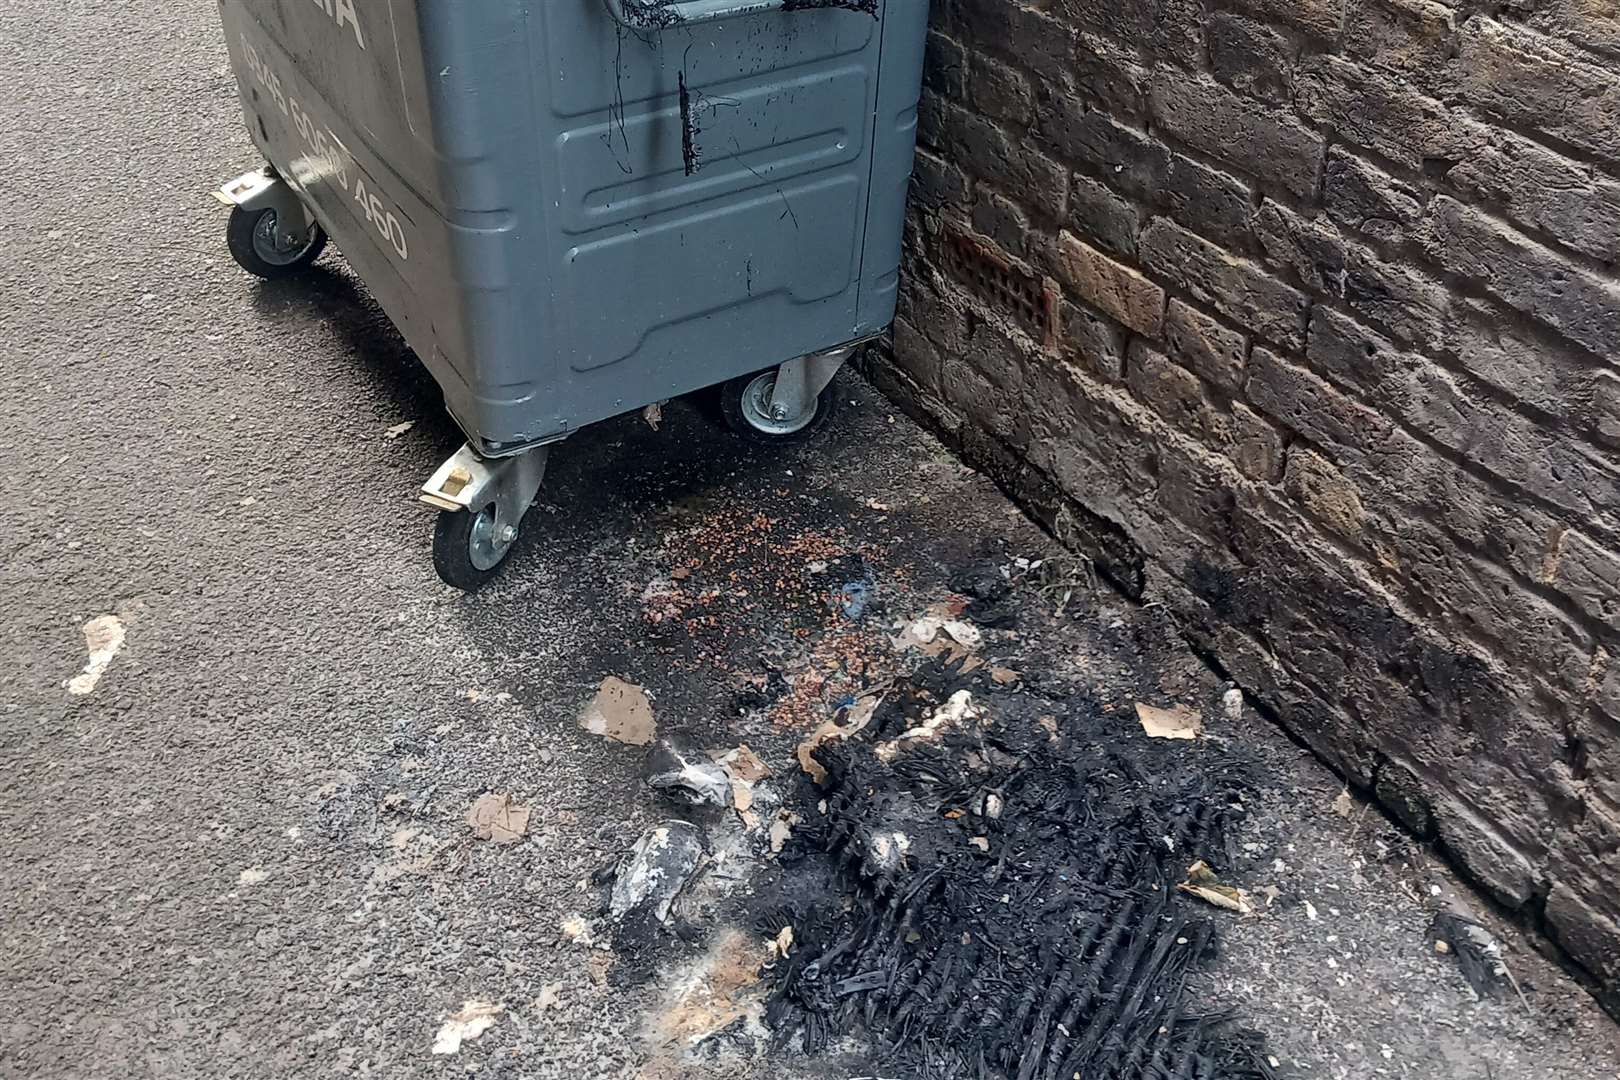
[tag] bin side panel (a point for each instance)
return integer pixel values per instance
(412, 177)
(905, 30)
(711, 184)
(363, 58)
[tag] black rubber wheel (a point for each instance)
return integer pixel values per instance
(254, 244)
(744, 406)
(466, 552)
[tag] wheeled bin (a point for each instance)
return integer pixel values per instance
(576, 208)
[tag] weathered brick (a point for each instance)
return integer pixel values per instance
(1257, 447)
(1098, 212)
(1110, 76)
(1406, 795)
(1095, 342)
(1588, 573)
(931, 120)
(1322, 18)
(1595, 750)
(1497, 525)
(917, 356)
(1518, 75)
(1091, 137)
(1557, 381)
(1412, 37)
(1400, 471)
(1000, 91)
(1301, 400)
(1174, 393)
(1215, 203)
(1043, 44)
(1002, 220)
(1239, 288)
(989, 153)
(1202, 344)
(1606, 406)
(997, 355)
(1544, 190)
(1582, 929)
(938, 319)
(1608, 689)
(935, 182)
(1250, 57)
(1476, 838)
(1472, 599)
(1195, 496)
(1430, 402)
(1397, 295)
(1524, 274)
(1206, 200)
(1377, 110)
(1112, 287)
(1581, 906)
(963, 386)
(945, 66)
(1260, 139)
(1323, 492)
(1164, 27)
(1361, 196)
(1579, 22)
(1355, 357)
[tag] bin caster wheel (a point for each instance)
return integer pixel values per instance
(746, 405)
(263, 251)
(468, 547)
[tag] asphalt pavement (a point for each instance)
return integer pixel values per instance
(240, 851)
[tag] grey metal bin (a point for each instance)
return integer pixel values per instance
(576, 208)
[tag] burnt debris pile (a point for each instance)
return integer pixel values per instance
(998, 894)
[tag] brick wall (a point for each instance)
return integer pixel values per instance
(1301, 316)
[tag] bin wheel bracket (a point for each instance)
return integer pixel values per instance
(788, 403)
(800, 381)
(271, 233)
(482, 502)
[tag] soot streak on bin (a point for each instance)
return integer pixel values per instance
(689, 127)
(651, 14)
(1001, 902)
(865, 7)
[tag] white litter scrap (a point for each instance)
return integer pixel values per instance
(1179, 722)
(887, 850)
(1202, 883)
(475, 1018)
(103, 638)
(782, 830)
(958, 710)
(936, 631)
(577, 931)
(744, 764)
(550, 997)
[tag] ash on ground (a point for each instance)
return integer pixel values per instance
(995, 896)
